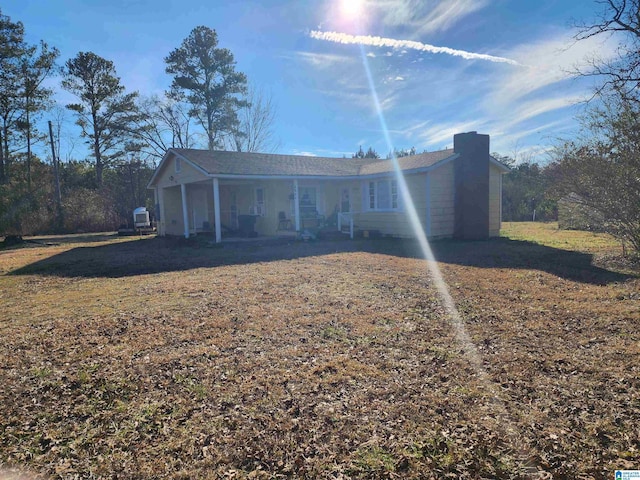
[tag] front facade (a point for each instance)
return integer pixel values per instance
(455, 192)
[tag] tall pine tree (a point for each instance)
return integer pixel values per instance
(206, 76)
(106, 114)
(12, 48)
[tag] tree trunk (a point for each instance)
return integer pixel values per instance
(5, 147)
(28, 146)
(99, 166)
(210, 134)
(96, 144)
(56, 172)
(2, 172)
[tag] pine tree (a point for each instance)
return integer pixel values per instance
(106, 114)
(206, 76)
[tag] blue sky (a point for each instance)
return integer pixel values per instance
(506, 71)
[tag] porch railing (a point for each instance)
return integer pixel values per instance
(345, 219)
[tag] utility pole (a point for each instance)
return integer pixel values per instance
(56, 173)
(131, 181)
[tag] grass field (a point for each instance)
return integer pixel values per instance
(148, 358)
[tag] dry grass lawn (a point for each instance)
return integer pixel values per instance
(146, 358)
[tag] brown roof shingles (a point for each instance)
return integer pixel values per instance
(412, 162)
(243, 163)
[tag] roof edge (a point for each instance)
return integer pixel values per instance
(165, 158)
(499, 164)
(174, 153)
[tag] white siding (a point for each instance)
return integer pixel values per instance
(495, 199)
(442, 193)
(396, 223)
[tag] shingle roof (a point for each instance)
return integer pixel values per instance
(243, 163)
(411, 162)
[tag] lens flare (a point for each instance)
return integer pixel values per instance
(504, 423)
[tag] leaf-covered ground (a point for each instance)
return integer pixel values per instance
(146, 358)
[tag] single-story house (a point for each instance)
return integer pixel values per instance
(456, 192)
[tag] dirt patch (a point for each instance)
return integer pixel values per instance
(140, 359)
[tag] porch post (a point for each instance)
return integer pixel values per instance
(296, 204)
(161, 224)
(156, 206)
(216, 209)
(185, 215)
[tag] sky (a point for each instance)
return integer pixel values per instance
(436, 68)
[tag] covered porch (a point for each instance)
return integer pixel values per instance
(249, 208)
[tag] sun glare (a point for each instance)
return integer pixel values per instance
(351, 9)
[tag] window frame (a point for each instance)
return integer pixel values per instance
(373, 195)
(260, 206)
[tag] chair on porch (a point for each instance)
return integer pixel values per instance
(283, 222)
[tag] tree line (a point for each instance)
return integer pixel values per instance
(209, 105)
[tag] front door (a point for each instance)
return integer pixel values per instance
(345, 203)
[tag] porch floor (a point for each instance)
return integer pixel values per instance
(282, 236)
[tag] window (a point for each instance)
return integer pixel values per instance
(383, 189)
(307, 196)
(308, 201)
(178, 165)
(383, 195)
(394, 194)
(260, 207)
(372, 195)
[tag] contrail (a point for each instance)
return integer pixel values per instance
(393, 43)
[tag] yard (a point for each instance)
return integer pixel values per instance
(146, 358)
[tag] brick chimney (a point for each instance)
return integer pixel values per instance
(472, 186)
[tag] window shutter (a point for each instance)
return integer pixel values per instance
(364, 191)
(395, 194)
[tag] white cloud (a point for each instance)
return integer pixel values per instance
(441, 134)
(323, 60)
(528, 97)
(549, 62)
(519, 97)
(374, 41)
(531, 109)
(388, 101)
(424, 17)
(358, 98)
(510, 142)
(303, 153)
(447, 13)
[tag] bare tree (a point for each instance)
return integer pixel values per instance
(602, 170)
(256, 132)
(602, 173)
(63, 140)
(622, 74)
(165, 123)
